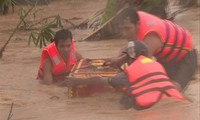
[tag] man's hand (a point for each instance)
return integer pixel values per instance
(117, 62)
(111, 63)
(114, 63)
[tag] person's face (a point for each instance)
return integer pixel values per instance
(127, 29)
(64, 47)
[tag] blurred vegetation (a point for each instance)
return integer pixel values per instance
(45, 34)
(41, 31)
(15, 30)
(188, 3)
(5, 5)
(32, 2)
(110, 10)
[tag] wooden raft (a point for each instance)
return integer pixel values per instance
(87, 68)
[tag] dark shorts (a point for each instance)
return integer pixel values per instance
(182, 71)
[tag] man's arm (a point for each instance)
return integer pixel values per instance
(47, 69)
(153, 42)
(117, 61)
(122, 51)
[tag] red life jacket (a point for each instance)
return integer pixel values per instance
(176, 40)
(149, 83)
(61, 68)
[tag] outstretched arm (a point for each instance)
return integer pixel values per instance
(118, 61)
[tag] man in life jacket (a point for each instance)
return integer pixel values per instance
(169, 43)
(145, 80)
(58, 58)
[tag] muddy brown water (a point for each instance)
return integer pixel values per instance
(33, 101)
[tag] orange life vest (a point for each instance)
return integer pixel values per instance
(149, 83)
(61, 68)
(176, 40)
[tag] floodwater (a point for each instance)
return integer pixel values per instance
(33, 101)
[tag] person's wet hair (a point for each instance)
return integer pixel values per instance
(62, 34)
(128, 12)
